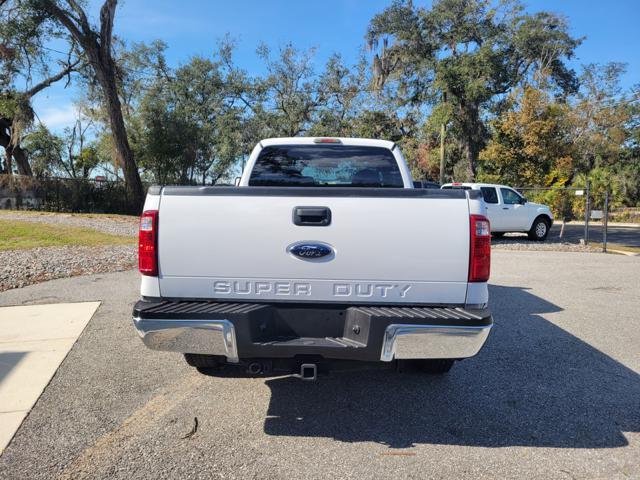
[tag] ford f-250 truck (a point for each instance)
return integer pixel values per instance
(323, 254)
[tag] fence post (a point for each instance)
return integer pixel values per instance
(564, 213)
(606, 221)
(442, 134)
(587, 209)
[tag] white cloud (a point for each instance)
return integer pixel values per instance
(58, 117)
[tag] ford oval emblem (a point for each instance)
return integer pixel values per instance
(310, 250)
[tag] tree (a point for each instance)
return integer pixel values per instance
(190, 122)
(601, 114)
(45, 151)
(469, 53)
(96, 45)
(533, 144)
(24, 57)
(337, 114)
(69, 155)
(293, 92)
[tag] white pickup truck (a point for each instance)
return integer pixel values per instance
(508, 211)
(324, 254)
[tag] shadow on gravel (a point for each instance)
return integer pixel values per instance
(534, 384)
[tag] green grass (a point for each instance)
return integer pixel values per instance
(617, 246)
(36, 213)
(16, 234)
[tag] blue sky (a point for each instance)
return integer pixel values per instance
(610, 28)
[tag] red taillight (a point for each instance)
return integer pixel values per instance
(148, 243)
(479, 249)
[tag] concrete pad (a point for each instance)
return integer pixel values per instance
(34, 340)
(9, 424)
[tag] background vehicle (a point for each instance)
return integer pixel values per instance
(315, 258)
(509, 211)
(425, 184)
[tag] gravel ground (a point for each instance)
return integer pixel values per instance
(521, 242)
(113, 224)
(555, 393)
(24, 267)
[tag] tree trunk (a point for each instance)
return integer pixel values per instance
(471, 137)
(469, 149)
(8, 169)
(11, 153)
(5, 142)
(124, 155)
(22, 162)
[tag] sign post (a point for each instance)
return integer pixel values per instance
(587, 207)
(606, 221)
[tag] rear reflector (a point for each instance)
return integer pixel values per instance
(479, 249)
(148, 243)
(326, 140)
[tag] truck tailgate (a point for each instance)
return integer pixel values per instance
(396, 247)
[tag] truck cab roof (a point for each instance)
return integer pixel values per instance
(319, 161)
(364, 142)
(474, 185)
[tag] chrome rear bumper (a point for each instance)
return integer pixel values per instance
(240, 331)
(432, 341)
(210, 337)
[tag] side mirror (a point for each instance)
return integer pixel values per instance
(523, 201)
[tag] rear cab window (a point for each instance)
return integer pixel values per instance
(326, 166)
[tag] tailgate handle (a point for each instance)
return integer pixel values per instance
(312, 216)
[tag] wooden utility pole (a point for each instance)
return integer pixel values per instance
(442, 134)
(443, 131)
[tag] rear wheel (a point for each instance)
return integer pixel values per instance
(539, 229)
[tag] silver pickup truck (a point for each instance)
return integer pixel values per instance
(323, 255)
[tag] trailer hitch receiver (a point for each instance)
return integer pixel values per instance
(308, 371)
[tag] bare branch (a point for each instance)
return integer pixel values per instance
(82, 17)
(65, 20)
(52, 79)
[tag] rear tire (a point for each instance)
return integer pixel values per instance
(539, 229)
(204, 362)
(438, 366)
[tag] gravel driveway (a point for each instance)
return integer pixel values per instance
(555, 393)
(125, 225)
(27, 266)
(519, 241)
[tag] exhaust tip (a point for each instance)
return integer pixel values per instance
(255, 368)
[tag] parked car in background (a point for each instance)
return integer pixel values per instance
(425, 184)
(509, 211)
